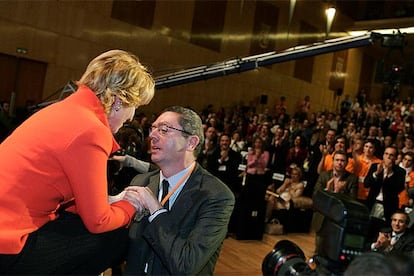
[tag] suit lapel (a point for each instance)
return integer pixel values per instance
(399, 242)
(154, 184)
(185, 200)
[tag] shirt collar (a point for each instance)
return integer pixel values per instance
(397, 235)
(176, 177)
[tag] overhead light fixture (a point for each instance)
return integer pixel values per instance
(330, 15)
(291, 10)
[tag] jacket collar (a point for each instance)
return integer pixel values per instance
(84, 96)
(184, 200)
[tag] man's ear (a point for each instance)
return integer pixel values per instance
(193, 142)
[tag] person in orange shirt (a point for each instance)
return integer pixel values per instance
(407, 165)
(55, 213)
(326, 163)
(364, 162)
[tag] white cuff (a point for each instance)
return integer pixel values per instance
(156, 213)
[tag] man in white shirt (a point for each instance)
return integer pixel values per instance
(385, 181)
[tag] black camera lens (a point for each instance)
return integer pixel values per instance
(286, 258)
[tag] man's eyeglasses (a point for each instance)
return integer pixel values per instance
(164, 129)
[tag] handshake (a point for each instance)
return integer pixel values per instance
(142, 198)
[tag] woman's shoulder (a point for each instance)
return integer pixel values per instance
(298, 184)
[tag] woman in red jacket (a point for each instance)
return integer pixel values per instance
(55, 213)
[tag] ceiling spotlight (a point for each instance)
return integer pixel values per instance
(330, 15)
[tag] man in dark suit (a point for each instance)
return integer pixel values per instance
(184, 233)
(400, 240)
(385, 180)
(278, 151)
(224, 163)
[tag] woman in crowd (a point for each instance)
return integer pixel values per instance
(55, 214)
(256, 177)
(257, 158)
(237, 143)
(297, 154)
(283, 196)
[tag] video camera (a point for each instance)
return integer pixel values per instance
(345, 234)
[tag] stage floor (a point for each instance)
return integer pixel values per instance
(245, 257)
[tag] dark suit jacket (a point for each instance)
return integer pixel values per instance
(187, 239)
(230, 172)
(277, 162)
(391, 187)
(405, 243)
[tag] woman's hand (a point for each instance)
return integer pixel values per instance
(133, 198)
(146, 198)
(130, 196)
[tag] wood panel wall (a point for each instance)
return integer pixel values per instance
(66, 35)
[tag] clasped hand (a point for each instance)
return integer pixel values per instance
(144, 197)
(140, 197)
(335, 187)
(383, 240)
(129, 196)
(382, 165)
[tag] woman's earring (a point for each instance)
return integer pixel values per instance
(117, 106)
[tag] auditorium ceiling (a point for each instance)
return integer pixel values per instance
(395, 16)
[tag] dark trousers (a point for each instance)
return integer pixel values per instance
(250, 208)
(65, 246)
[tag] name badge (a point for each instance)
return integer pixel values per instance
(278, 176)
(242, 167)
(222, 168)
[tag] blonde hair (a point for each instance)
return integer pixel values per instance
(119, 73)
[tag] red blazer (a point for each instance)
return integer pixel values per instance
(58, 154)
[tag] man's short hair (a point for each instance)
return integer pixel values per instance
(342, 152)
(191, 122)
